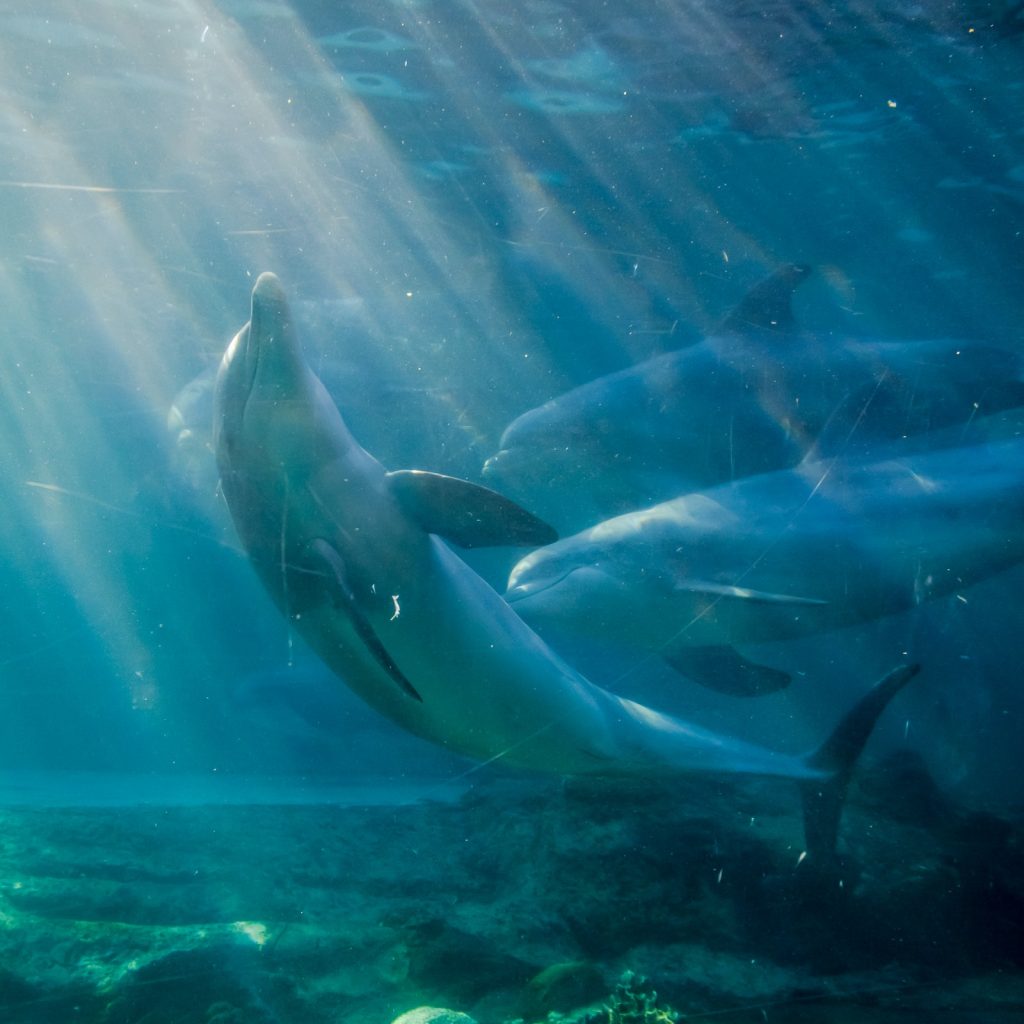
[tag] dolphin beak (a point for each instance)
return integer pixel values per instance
(521, 591)
(269, 308)
(267, 291)
(588, 578)
(273, 357)
(511, 466)
(492, 467)
(518, 592)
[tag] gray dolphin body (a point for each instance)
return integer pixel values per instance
(779, 556)
(351, 556)
(756, 396)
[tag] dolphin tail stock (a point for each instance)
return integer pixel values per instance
(768, 305)
(823, 798)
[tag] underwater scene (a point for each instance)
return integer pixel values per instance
(512, 512)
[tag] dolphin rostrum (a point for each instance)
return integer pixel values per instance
(353, 557)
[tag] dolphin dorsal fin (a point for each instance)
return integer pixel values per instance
(769, 304)
(467, 514)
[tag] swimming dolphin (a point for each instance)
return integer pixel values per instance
(352, 556)
(755, 396)
(779, 556)
(368, 398)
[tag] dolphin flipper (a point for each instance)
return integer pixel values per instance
(467, 514)
(327, 563)
(725, 670)
(768, 305)
(823, 799)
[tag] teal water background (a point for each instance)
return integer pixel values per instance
(474, 206)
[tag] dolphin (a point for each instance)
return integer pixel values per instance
(756, 395)
(354, 559)
(779, 556)
(367, 397)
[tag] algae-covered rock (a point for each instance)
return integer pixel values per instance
(460, 965)
(634, 1001)
(562, 987)
(215, 984)
(433, 1015)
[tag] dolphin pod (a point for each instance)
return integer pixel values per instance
(780, 556)
(755, 396)
(352, 556)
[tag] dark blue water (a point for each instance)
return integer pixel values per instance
(474, 207)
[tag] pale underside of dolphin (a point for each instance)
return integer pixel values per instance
(756, 396)
(779, 556)
(352, 556)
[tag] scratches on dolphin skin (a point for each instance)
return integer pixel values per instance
(398, 608)
(340, 590)
(289, 618)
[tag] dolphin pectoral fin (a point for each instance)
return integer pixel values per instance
(725, 670)
(768, 305)
(725, 590)
(467, 514)
(326, 561)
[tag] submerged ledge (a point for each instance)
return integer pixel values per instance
(520, 898)
(109, 789)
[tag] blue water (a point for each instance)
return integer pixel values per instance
(475, 207)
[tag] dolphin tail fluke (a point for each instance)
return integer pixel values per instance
(823, 799)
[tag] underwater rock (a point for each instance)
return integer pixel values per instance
(443, 958)
(433, 1015)
(695, 886)
(634, 1001)
(14, 989)
(562, 987)
(693, 977)
(219, 984)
